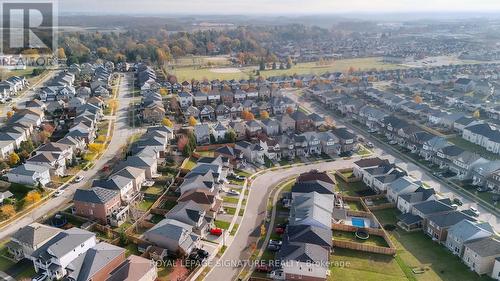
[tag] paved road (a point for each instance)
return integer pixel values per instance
(416, 171)
(255, 214)
(121, 133)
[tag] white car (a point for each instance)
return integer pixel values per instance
(475, 211)
(233, 192)
(58, 193)
(79, 178)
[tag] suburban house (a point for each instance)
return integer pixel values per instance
(175, 236)
(134, 268)
(347, 140)
(29, 239)
(202, 134)
(407, 200)
(253, 153)
(303, 261)
(97, 203)
(438, 224)
(466, 231)
(29, 174)
(191, 213)
(479, 255)
(206, 199)
(401, 186)
(63, 253)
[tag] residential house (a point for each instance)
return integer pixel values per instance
(438, 224)
(206, 199)
(479, 255)
(29, 174)
(286, 123)
(29, 239)
(202, 134)
(191, 213)
(347, 140)
(466, 231)
(270, 126)
(175, 236)
(407, 200)
(96, 203)
(253, 153)
(135, 268)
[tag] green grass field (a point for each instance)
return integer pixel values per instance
(196, 72)
(462, 143)
(417, 250)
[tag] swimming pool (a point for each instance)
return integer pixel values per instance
(358, 222)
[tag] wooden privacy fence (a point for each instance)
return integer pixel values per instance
(340, 173)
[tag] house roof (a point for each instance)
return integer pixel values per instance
(35, 233)
(371, 162)
(96, 195)
(28, 169)
(94, 260)
(308, 234)
(312, 186)
(432, 206)
(304, 252)
(467, 230)
(485, 247)
(198, 195)
(63, 243)
(449, 219)
(134, 268)
(315, 175)
(188, 212)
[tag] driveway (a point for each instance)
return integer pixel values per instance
(255, 212)
(121, 133)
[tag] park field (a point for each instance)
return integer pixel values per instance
(200, 73)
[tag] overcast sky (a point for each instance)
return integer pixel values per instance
(275, 6)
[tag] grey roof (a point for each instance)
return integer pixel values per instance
(303, 252)
(486, 247)
(312, 186)
(421, 194)
(343, 133)
(309, 234)
(449, 219)
(35, 233)
(63, 243)
(409, 218)
(188, 212)
(432, 206)
(467, 230)
(94, 260)
(96, 195)
(28, 169)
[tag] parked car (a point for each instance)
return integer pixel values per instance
(346, 154)
(78, 179)
(202, 253)
(216, 231)
(58, 193)
(263, 268)
(393, 142)
(279, 230)
(458, 201)
(474, 211)
(370, 144)
(233, 192)
(275, 242)
(40, 277)
(371, 131)
(273, 248)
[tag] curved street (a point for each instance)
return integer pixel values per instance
(255, 213)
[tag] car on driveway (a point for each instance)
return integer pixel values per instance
(474, 211)
(457, 201)
(275, 242)
(370, 144)
(233, 192)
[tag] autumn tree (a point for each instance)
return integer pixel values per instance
(264, 114)
(10, 114)
(61, 54)
(192, 121)
(14, 159)
(476, 114)
(247, 115)
(167, 122)
(7, 211)
(96, 147)
(289, 110)
(43, 136)
(163, 92)
(181, 142)
(33, 197)
(417, 99)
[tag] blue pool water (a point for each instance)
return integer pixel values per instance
(358, 222)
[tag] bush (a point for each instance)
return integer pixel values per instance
(389, 227)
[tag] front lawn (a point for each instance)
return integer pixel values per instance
(232, 200)
(222, 224)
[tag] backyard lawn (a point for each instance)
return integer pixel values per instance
(350, 265)
(350, 236)
(469, 146)
(145, 204)
(189, 164)
(355, 189)
(417, 250)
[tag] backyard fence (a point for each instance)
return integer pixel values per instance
(364, 247)
(349, 179)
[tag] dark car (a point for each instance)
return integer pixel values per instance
(458, 201)
(263, 268)
(202, 253)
